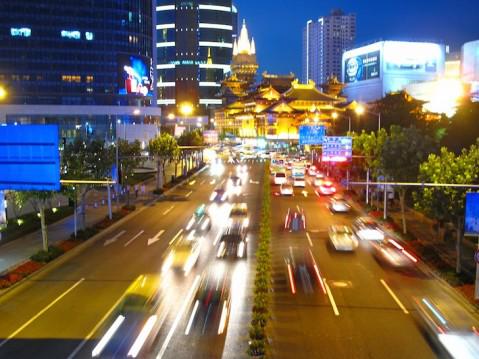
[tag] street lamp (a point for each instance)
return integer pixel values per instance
(186, 109)
(3, 93)
(361, 110)
(335, 116)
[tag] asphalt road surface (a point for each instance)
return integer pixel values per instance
(365, 309)
(65, 311)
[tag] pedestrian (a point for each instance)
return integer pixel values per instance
(143, 190)
(136, 190)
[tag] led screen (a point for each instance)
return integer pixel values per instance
(471, 226)
(29, 158)
(362, 67)
(411, 57)
(135, 75)
(337, 149)
(311, 135)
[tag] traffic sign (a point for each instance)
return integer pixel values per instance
(337, 149)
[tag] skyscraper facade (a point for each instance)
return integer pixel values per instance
(194, 44)
(324, 42)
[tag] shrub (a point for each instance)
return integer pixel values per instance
(159, 191)
(256, 348)
(256, 332)
(47, 256)
(4, 283)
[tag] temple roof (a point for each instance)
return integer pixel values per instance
(308, 92)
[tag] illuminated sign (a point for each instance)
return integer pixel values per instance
(135, 75)
(211, 137)
(411, 57)
(89, 36)
(471, 217)
(362, 67)
(21, 32)
(29, 158)
(311, 135)
(75, 35)
(337, 149)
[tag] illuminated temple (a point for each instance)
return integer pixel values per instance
(273, 113)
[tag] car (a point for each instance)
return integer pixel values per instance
(135, 323)
(286, 189)
(234, 185)
(233, 242)
(211, 306)
(449, 326)
(339, 204)
(366, 229)
(219, 195)
(239, 215)
(182, 256)
(393, 254)
(200, 222)
(280, 178)
(299, 182)
(312, 171)
(241, 170)
(342, 238)
(295, 220)
(327, 188)
(303, 272)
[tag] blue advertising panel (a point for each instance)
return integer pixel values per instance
(311, 135)
(362, 67)
(337, 149)
(471, 225)
(135, 75)
(29, 158)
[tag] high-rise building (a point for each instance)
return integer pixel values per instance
(194, 44)
(77, 63)
(324, 42)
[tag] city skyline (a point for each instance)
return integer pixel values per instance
(413, 21)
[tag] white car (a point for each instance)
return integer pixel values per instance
(339, 204)
(299, 182)
(280, 178)
(342, 238)
(286, 189)
(366, 229)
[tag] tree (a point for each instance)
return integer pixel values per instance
(446, 204)
(16, 201)
(83, 160)
(400, 109)
(165, 148)
(402, 153)
(193, 138)
(39, 201)
(130, 159)
(463, 129)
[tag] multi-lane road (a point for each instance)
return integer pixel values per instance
(64, 311)
(366, 308)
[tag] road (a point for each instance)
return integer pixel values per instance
(63, 312)
(366, 309)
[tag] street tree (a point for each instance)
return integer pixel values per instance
(39, 201)
(165, 149)
(446, 204)
(130, 158)
(400, 109)
(462, 130)
(82, 160)
(403, 151)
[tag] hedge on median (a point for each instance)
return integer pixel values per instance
(262, 283)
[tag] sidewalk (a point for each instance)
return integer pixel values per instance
(19, 250)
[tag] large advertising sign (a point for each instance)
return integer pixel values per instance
(311, 135)
(135, 75)
(337, 149)
(29, 158)
(362, 67)
(471, 225)
(411, 57)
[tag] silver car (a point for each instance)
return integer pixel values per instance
(342, 238)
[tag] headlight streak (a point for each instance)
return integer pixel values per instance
(107, 337)
(140, 340)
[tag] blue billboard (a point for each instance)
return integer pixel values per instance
(337, 149)
(29, 158)
(471, 217)
(311, 135)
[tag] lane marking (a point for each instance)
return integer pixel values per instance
(331, 298)
(114, 239)
(40, 313)
(309, 239)
(176, 236)
(135, 237)
(202, 182)
(180, 314)
(299, 209)
(168, 210)
(396, 299)
(96, 327)
(192, 183)
(155, 238)
(189, 194)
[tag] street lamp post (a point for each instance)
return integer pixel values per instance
(361, 110)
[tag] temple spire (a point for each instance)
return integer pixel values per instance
(253, 47)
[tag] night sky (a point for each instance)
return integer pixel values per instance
(277, 25)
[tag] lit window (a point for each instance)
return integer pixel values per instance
(20, 32)
(71, 34)
(89, 36)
